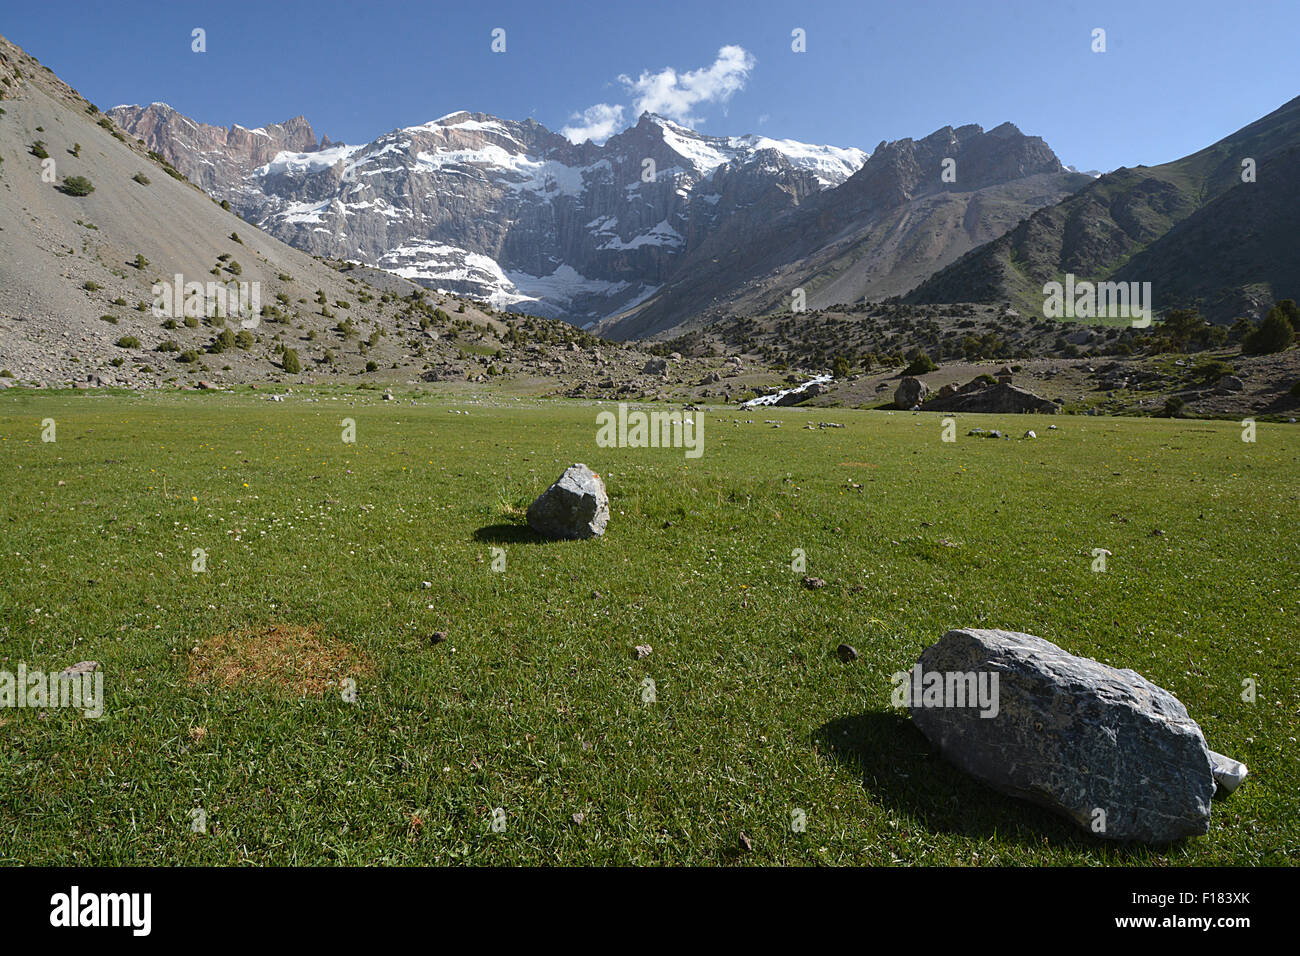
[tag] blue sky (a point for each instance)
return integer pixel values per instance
(1176, 74)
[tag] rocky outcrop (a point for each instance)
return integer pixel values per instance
(1105, 747)
(214, 158)
(910, 392)
(1001, 399)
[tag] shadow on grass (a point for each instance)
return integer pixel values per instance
(902, 770)
(509, 534)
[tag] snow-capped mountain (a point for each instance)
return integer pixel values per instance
(509, 212)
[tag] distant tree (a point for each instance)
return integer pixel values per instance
(1274, 334)
(920, 365)
(290, 362)
(1182, 327)
(840, 368)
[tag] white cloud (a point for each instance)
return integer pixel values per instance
(676, 95)
(596, 123)
(668, 93)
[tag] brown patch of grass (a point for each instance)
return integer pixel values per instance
(285, 656)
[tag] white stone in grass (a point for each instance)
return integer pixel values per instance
(1228, 773)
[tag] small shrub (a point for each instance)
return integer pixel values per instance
(223, 341)
(76, 186)
(141, 178)
(189, 355)
(290, 362)
(128, 342)
(38, 150)
(110, 319)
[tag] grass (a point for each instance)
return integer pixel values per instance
(534, 703)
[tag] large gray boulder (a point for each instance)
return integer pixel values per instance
(576, 506)
(1105, 747)
(911, 391)
(1001, 399)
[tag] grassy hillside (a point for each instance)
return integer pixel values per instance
(223, 685)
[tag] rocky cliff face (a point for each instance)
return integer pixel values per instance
(658, 226)
(915, 206)
(211, 157)
(510, 212)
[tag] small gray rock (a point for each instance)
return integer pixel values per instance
(1228, 773)
(576, 506)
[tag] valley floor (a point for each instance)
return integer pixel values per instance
(267, 603)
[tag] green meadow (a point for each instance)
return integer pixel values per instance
(263, 597)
